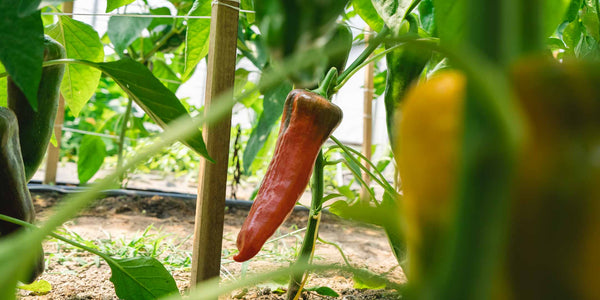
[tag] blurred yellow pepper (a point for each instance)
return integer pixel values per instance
(553, 246)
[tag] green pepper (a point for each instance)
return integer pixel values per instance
(404, 66)
(35, 127)
(15, 200)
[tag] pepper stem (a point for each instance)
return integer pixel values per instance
(308, 244)
(326, 86)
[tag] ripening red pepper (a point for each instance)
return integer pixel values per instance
(308, 120)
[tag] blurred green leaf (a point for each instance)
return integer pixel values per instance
(92, 152)
(367, 12)
(22, 48)
(323, 291)
(196, 39)
(39, 287)
(273, 102)
(554, 12)
(248, 5)
(29, 7)
(368, 280)
(114, 4)
(450, 20)
(81, 41)
(122, 31)
(588, 49)
(589, 18)
(572, 35)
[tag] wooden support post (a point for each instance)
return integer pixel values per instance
(212, 180)
(53, 155)
(367, 120)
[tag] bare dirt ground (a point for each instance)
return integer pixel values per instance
(115, 221)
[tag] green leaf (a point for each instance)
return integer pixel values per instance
(554, 12)
(39, 287)
(273, 102)
(426, 13)
(163, 72)
(323, 291)
(81, 41)
(588, 49)
(573, 10)
(151, 95)
(248, 5)
(92, 152)
(3, 94)
(29, 7)
(141, 278)
(114, 4)
(122, 31)
(22, 48)
(572, 35)
(196, 38)
(367, 12)
(391, 11)
(368, 280)
(589, 18)
(450, 20)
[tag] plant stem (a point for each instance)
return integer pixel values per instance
(121, 148)
(56, 236)
(308, 244)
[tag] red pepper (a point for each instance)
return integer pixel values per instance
(308, 120)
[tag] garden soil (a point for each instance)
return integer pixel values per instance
(114, 222)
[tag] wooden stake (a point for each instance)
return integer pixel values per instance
(367, 121)
(212, 180)
(54, 152)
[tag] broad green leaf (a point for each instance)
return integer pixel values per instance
(39, 287)
(122, 31)
(151, 95)
(92, 152)
(141, 278)
(163, 72)
(22, 48)
(367, 12)
(324, 291)
(391, 11)
(114, 4)
(81, 41)
(274, 99)
(196, 38)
